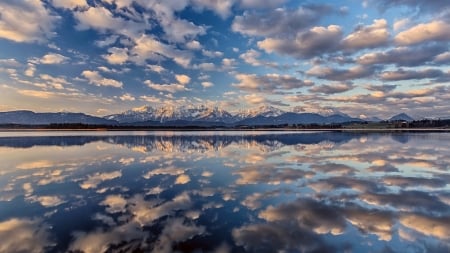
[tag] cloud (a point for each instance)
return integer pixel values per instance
(406, 201)
(442, 58)
(402, 56)
(379, 223)
(329, 73)
(269, 83)
(53, 58)
(171, 88)
(94, 180)
(433, 31)
(251, 57)
(405, 182)
(183, 79)
(193, 45)
(98, 18)
(206, 66)
(332, 88)
(156, 68)
(207, 84)
(146, 212)
(69, 4)
(24, 235)
(127, 97)
(316, 41)
(173, 171)
(399, 24)
(318, 217)
(221, 7)
(37, 94)
(269, 175)
(49, 201)
(175, 29)
(182, 179)
(268, 4)
(431, 226)
(109, 40)
(371, 36)
(96, 79)
(11, 62)
(148, 48)
(402, 74)
(114, 204)
(278, 22)
(211, 54)
(422, 5)
(116, 55)
(36, 23)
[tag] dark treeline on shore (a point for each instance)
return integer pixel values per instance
(426, 123)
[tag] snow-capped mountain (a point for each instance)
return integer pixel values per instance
(264, 111)
(205, 116)
(171, 113)
(33, 118)
(401, 117)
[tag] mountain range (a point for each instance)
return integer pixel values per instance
(187, 116)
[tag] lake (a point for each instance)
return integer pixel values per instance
(224, 192)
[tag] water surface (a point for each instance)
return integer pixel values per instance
(224, 192)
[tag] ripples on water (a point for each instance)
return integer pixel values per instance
(225, 192)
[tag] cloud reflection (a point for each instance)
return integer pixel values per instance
(308, 192)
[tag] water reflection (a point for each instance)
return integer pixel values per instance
(238, 192)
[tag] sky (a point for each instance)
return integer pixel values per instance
(364, 58)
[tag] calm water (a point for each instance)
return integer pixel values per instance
(224, 192)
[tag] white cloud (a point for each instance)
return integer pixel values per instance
(172, 88)
(55, 82)
(50, 201)
(368, 36)
(221, 7)
(69, 4)
(182, 179)
(251, 57)
(399, 24)
(315, 41)
(261, 4)
(148, 48)
(183, 79)
(26, 21)
(433, 31)
(156, 68)
(114, 203)
(24, 235)
(31, 69)
(11, 62)
(268, 83)
(194, 45)
(116, 55)
(52, 58)
(98, 18)
(278, 22)
(127, 97)
(207, 84)
(206, 66)
(107, 41)
(211, 54)
(95, 179)
(96, 79)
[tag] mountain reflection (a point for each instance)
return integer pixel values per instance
(234, 192)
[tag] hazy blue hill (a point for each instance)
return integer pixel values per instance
(32, 118)
(401, 117)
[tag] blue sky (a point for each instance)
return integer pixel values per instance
(365, 58)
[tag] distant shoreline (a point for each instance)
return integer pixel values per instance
(187, 129)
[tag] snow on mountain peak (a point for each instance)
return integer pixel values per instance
(264, 110)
